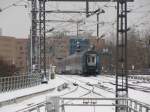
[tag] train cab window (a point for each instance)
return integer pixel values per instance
(88, 59)
(93, 59)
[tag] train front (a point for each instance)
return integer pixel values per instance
(91, 63)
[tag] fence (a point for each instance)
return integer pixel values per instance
(19, 82)
(136, 106)
(133, 105)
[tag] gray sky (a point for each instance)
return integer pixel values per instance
(16, 20)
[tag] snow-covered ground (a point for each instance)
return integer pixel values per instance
(89, 87)
(106, 82)
(31, 90)
(27, 101)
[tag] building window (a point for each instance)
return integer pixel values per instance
(21, 63)
(21, 48)
(19, 57)
(21, 52)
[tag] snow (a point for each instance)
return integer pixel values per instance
(31, 90)
(86, 89)
(105, 81)
(37, 99)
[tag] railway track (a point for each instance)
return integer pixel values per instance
(27, 98)
(91, 85)
(89, 88)
(78, 86)
(131, 86)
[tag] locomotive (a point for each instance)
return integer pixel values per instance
(84, 63)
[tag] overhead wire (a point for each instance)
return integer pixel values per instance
(139, 7)
(12, 5)
(137, 23)
(93, 24)
(146, 14)
(72, 16)
(132, 10)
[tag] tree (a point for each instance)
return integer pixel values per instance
(136, 51)
(7, 69)
(147, 43)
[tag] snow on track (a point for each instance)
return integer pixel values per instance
(109, 82)
(90, 87)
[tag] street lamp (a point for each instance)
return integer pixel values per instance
(20, 5)
(50, 30)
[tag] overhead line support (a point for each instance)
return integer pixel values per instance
(42, 37)
(34, 38)
(121, 55)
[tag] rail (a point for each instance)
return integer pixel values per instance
(19, 82)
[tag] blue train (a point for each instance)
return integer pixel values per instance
(84, 63)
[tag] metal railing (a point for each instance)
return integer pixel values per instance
(139, 72)
(40, 107)
(19, 82)
(130, 72)
(133, 74)
(143, 78)
(133, 105)
(137, 106)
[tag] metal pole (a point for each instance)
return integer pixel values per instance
(148, 53)
(31, 48)
(98, 24)
(77, 29)
(34, 32)
(87, 8)
(42, 40)
(121, 55)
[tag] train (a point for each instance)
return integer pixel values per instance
(84, 63)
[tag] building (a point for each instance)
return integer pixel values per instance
(14, 51)
(21, 54)
(57, 49)
(98, 43)
(83, 44)
(8, 49)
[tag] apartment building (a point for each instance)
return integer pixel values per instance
(57, 49)
(21, 54)
(14, 51)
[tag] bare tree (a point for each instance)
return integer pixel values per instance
(136, 51)
(7, 69)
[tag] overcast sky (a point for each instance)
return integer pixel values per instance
(16, 21)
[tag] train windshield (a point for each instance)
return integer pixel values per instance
(91, 60)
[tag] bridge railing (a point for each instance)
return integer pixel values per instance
(19, 82)
(137, 106)
(52, 105)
